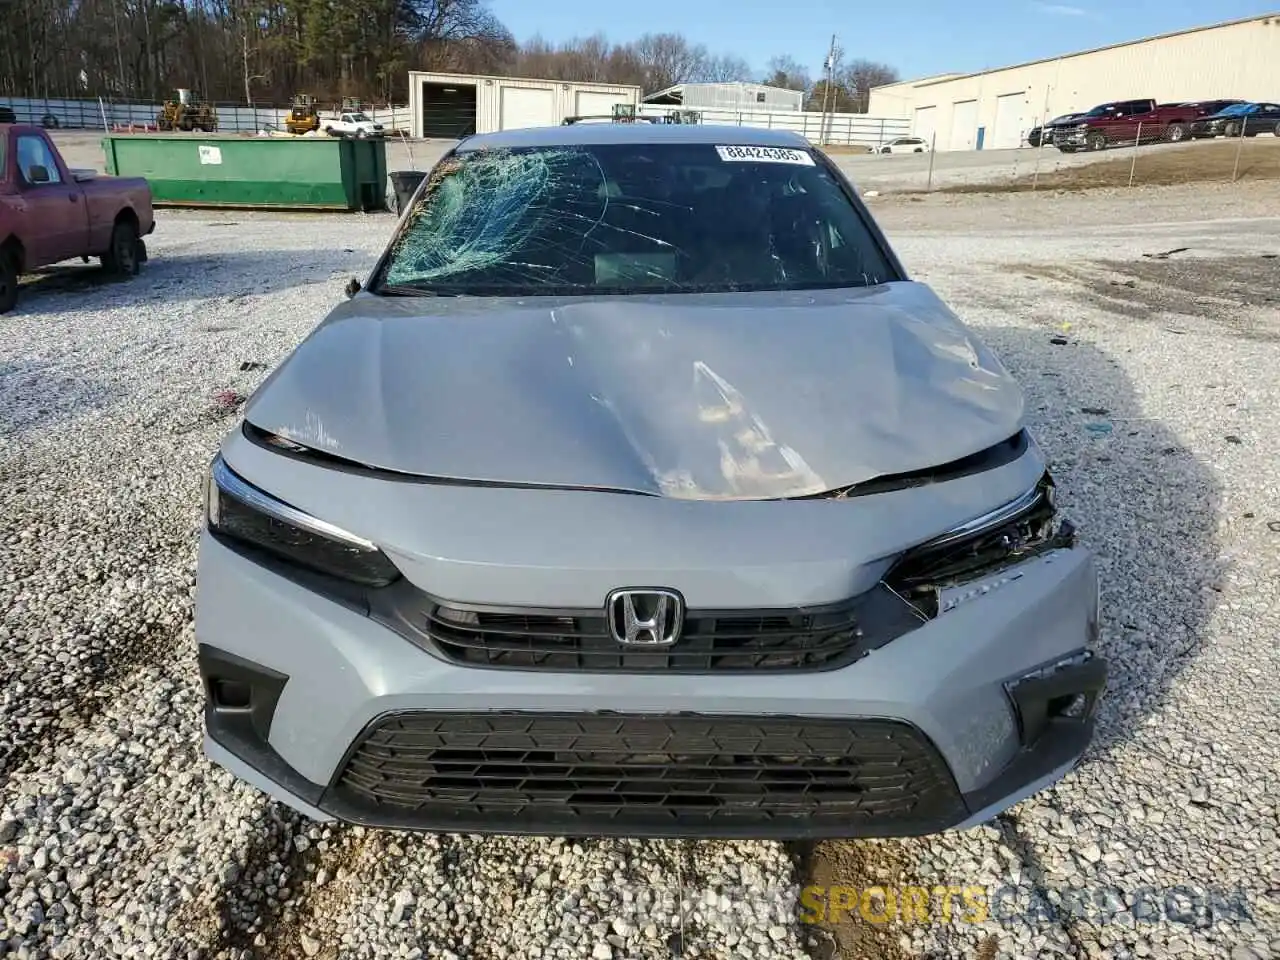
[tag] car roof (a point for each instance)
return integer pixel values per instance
(639, 133)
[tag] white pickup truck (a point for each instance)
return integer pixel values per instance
(350, 124)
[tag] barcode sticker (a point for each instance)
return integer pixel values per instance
(766, 155)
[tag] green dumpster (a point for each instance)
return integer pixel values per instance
(312, 173)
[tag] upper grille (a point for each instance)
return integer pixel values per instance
(647, 774)
(817, 638)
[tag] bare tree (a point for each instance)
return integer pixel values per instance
(725, 68)
(858, 77)
(786, 72)
(668, 58)
(268, 50)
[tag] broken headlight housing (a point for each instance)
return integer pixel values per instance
(241, 513)
(984, 545)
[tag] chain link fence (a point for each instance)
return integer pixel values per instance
(1245, 155)
(105, 114)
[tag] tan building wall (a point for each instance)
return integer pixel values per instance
(1239, 59)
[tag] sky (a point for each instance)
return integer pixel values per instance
(918, 37)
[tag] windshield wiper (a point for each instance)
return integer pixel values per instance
(408, 290)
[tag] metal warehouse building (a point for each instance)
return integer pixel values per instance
(455, 105)
(996, 108)
(737, 95)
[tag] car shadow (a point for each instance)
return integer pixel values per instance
(1142, 502)
(185, 276)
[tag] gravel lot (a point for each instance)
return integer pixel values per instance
(1150, 384)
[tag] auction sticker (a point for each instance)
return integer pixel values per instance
(765, 155)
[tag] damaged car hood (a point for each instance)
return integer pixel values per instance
(699, 397)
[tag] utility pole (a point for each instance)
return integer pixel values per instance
(827, 96)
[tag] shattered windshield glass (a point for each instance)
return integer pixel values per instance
(631, 217)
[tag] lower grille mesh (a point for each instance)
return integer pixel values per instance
(655, 772)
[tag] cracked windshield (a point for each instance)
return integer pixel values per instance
(601, 218)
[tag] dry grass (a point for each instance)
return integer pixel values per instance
(1157, 165)
(844, 149)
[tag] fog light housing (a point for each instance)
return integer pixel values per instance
(1065, 691)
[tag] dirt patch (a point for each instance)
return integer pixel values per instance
(1156, 165)
(853, 866)
(1235, 296)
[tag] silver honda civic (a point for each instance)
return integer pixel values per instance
(641, 492)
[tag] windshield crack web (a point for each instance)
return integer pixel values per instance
(627, 219)
(487, 213)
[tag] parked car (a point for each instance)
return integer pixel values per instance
(352, 124)
(1250, 119)
(50, 213)
(905, 145)
(1209, 108)
(640, 583)
(1126, 121)
(1043, 136)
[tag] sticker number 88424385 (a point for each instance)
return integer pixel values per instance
(766, 155)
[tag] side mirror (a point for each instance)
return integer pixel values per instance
(37, 173)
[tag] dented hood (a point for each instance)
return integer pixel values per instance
(709, 396)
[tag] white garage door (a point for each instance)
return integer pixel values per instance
(594, 104)
(522, 107)
(964, 125)
(924, 125)
(1008, 133)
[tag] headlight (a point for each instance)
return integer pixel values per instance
(1004, 536)
(241, 512)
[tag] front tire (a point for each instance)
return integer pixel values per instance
(8, 281)
(1231, 130)
(1096, 141)
(122, 258)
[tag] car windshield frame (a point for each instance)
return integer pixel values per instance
(587, 227)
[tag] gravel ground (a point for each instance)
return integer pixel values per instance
(1157, 408)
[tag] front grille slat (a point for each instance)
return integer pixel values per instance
(779, 640)
(653, 773)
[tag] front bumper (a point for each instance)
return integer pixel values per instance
(341, 718)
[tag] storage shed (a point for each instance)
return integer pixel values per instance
(452, 105)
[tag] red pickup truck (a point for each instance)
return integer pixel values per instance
(50, 213)
(1127, 122)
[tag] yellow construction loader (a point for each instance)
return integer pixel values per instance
(303, 118)
(188, 112)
